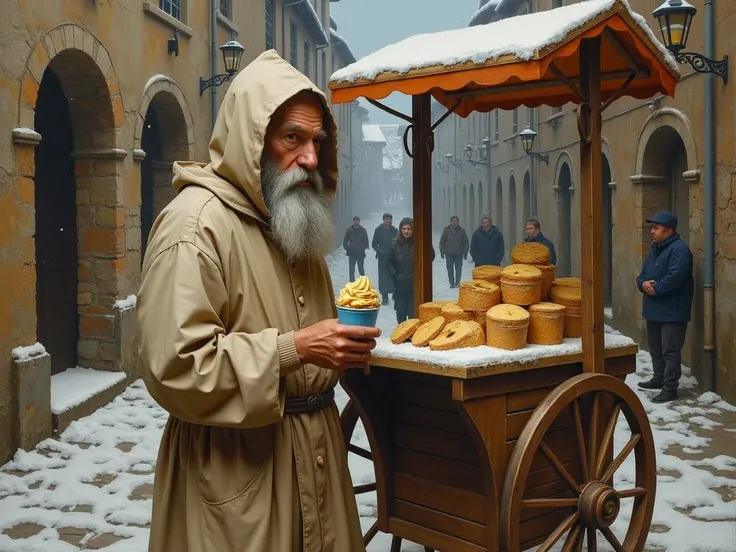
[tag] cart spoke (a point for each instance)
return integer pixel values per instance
(355, 449)
(606, 477)
(612, 540)
(628, 493)
(581, 442)
(559, 468)
(607, 442)
(557, 533)
(366, 488)
(550, 503)
(573, 537)
(593, 433)
(592, 542)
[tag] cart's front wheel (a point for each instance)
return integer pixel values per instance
(348, 421)
(570, 437)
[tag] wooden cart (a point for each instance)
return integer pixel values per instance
(506, 456)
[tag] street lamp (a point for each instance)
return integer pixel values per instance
(675, 18)
(527, 141)
(484, 148)
(470, 150)
(232, 53)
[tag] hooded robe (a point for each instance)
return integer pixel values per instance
(217, 310)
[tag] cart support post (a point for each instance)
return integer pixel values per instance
(422, 146)
(591, 206)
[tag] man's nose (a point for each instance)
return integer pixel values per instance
(308, 158)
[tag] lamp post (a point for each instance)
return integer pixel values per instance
(482, 152)
(675, 18)
(232, 53)
(527, 141)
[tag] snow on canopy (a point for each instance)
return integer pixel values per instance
(521, 36)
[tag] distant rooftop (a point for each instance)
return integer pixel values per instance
(372, 133)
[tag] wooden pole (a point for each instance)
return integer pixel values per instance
(591, 207)
(422, 198)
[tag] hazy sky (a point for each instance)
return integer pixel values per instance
(368, 25)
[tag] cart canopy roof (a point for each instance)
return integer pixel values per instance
(526, 60)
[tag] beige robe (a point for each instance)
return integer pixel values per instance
(217, 310)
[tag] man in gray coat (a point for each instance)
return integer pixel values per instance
(454, 245)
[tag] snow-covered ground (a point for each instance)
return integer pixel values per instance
(91, 487)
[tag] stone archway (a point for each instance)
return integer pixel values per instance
(526, 195)
(472, 207)
(464, 208)
(70, 82)
(481, 205)
(164, 133)
(513, 230)
(564, 220)
(498, 220)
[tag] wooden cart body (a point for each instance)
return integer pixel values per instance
(496, 458)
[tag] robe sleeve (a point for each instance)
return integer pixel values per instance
(190, 364)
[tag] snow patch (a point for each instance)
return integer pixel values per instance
(483, 43)
(127, 303)
(25, 132)
(156, 78)
(372, 133)
(24, 354)
(72, 387)
(393, 153)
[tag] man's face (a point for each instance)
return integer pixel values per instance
(454, 222)
(531, 231)
(486, 224)
(356, 222)
(295, 134)
(659, 233)
(388, 221)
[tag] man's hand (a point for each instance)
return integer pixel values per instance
(648, 287)
(332, 345)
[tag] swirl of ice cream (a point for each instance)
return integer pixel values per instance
(359, 295)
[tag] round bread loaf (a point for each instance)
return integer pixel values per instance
(521, 285)
(457, 335)
(548, 276)
(507, 327)
(568, 296)
(533, 253)
(405, 330)
(478, 295)
(427, 311)
(489, 273)
(508, 315)
(566, 282)
(452, 311)
(480, 317)
(573, 322)
(546, 324)
(428, 331)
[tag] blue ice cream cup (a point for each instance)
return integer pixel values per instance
(357, 317)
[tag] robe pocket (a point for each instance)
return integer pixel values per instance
(231, 462)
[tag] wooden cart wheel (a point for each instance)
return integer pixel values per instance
(348, 421)
(590, 504)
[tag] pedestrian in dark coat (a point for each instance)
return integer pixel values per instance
(400, 265)
(486, 245)
(666, 280)
(454, 248)
(382, 243)
(355, 244)
(534, 234)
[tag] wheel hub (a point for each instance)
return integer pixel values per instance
(599, 505)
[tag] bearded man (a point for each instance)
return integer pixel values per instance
(238, 337)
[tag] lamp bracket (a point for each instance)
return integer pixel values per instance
(217, 80)
(539, 157)
(702, 64)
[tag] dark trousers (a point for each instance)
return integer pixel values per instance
(361, 266)
(404, 304)
(665, 345)
(454, 268)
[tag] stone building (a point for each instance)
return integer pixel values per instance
(372, 188)
(97, 100)
(654, 159)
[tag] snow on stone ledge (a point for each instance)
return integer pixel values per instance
(24, 354)
(521, 36)
(124, 304)
(72, 387)
(487, 356)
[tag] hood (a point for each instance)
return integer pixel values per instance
(236, 146)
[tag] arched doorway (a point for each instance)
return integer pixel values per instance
(607, 234)
(481, 206)
(526, 195)
(472, 207)
(498, 221)
(56, 226)
(513, 223)
(164, 140)
(464, 208)
(564, 257)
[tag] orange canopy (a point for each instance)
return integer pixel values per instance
(630, 57)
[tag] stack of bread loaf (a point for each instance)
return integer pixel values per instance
(504, 308)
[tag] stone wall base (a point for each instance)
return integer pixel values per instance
(31, 392)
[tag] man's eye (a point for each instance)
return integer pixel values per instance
(291, 138)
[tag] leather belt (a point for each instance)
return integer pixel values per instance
(308, 405)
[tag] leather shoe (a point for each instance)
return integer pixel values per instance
(665, 395)
(651, 384)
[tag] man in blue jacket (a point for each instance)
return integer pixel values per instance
(666, 280)
(486, 245)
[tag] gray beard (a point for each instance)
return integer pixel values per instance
(300, 217)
